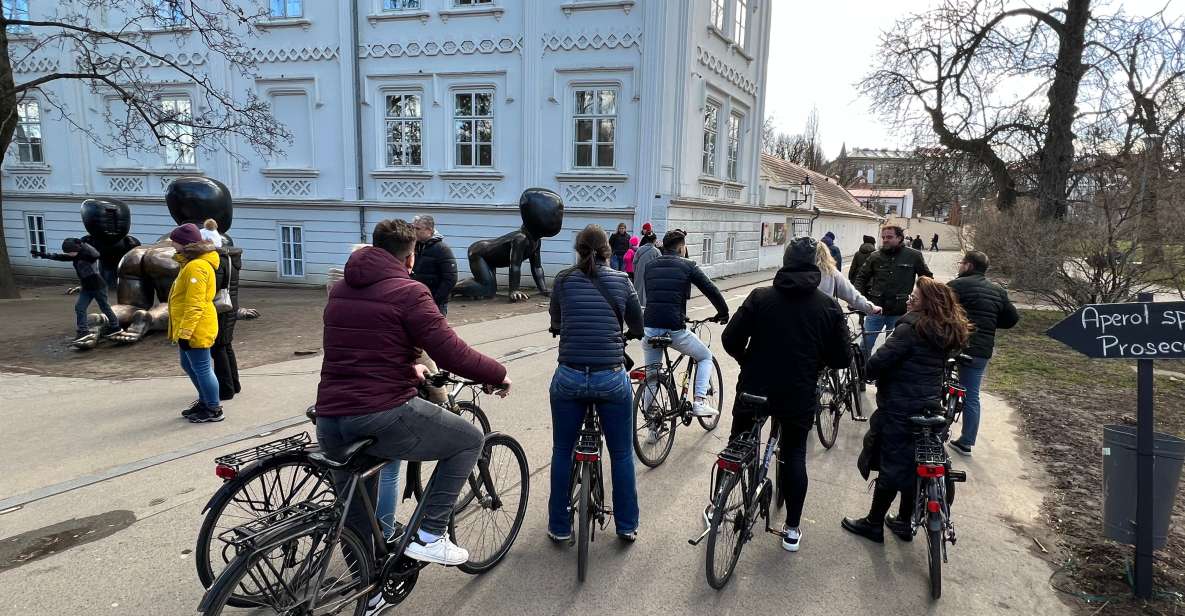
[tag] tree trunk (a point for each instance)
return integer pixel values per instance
(1057, 156)
(8, 288)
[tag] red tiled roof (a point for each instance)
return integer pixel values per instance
(830, 197)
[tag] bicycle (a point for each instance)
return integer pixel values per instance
(284, 559)
(839, 390)
(954, 395)
(586, 504)
(934, 491)
(660, 406)
(735, 511)
(261, 480)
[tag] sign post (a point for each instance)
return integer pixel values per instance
(1142, 331)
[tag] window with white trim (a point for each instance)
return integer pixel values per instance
(287, 9)
(711, 127)
(291, 251)
(405, 122)
(471, 2)
(718, 14)
(35, 227)
(400, 5)
(473, 122)
(27, 138)
(595, 119)
(730, 248)
(178, 133)
(18, 10)
(705, 253)
(169, 13)
(734, 145)
(741, 22)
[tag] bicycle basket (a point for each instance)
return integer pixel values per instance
(238, 459)
(929, 451)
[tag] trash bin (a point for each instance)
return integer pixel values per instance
(1119, 483)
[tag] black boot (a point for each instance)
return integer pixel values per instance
(902, 527)
(873, 531)
(872, 526)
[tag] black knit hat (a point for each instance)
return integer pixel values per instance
(800, 252)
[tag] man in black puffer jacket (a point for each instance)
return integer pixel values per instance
(668, 287)
(867, 248)
(989, 308)
(435, 265)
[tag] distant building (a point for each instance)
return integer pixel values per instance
(885, 201)
(879, 167)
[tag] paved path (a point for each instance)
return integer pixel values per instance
(58, 430)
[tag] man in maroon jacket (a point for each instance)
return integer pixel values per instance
(375, 324)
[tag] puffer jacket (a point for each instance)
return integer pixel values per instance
(436, 267)
(375, 325)
(835, 285)
(794, 324)
(668, 287)
(887, 277)
(228, 278)
(590, 334)
(192, 316)
(908, 369)
(646, 255)
(859, 259)
(987, 306)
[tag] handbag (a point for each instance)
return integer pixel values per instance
(222, 301)
(596, 282)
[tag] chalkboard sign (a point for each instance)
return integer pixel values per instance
(1135, 330)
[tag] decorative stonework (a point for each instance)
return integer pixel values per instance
(29, 183)
(414, 49)
(402, 189)
(303, 54)
(709, 191)
(587, 40)
(732, 193)
(125, 183)
(292, 187)
(168, 59)
(37, 65)
(720, 67)
(471, 191)
(594, 194)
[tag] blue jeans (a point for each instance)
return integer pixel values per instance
(197, 364)
(617, 262)
(571, 393)
(388, 497)
(970, 377)
(688, 344)
(873, 324)
(99, 296)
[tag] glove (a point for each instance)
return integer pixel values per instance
(721, 319)
(554, 332)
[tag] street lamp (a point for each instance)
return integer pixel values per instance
(806, 189)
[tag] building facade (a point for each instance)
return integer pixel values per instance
(632, 110)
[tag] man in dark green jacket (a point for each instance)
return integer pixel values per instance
(887, 279)
(989, 308)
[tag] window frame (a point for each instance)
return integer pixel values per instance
(708, 162)
(706, 247)
(287, 265)
(20, 145)
(19, 10)
(718, 14)
(175, 19)
(388, 120)
(34, 245)
(740, 22)
(732, 164)
(473, 143)
(395, 9)
(730, 247)
(597, 116)
(191, 159)
(285, 4)
(468, 4)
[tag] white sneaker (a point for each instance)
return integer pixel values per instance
(791, 538)
(701, 409)
(442, 552)
(652, 437)
(708, 511)
(376, 605)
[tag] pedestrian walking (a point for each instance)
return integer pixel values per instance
(92, 286)
(917, 242)
(435, 267)
(988, 306)
(590, 306)
(619, 242)
(646, 254)
(829, 240)
(886, 279)
(629, 256)
(782, 336)
(867, 248)
(222, 353)
(909, 370)
(934, 243)
(193, 320)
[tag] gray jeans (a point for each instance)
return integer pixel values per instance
(415, 431)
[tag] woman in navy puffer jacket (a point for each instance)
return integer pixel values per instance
(591, 371)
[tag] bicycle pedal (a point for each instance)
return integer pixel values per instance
(860, 418)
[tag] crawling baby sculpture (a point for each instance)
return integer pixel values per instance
(542, 212)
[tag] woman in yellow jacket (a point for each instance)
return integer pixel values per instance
(193, 320)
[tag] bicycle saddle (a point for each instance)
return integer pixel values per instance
(962, 359)
(659, 342)
(349, 460)
(931, 421)
(752, 400)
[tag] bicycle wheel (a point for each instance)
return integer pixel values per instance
(934, 554)
(490, 523)
(263, 487)
(830, 412)
(726, 535)
(715, 395)
(276, 577)
(474, 415)
(584, 519)
(654, 425)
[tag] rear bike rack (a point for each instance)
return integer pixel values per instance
(238, 459)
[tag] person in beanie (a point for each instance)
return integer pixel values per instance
(193, 320)
(648, 235)
(92, 287)
(829, 239)
(629, 256)
(867, 248)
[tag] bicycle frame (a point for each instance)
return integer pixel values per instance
(740, 458)
(680, 400)
(589, 447)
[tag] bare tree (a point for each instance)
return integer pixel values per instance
(804, 149)
(117, 49)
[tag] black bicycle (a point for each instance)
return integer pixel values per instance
(264, 479)
(839, 392)
(954, 395)
(303, 559)
(586, 504)
(935, 491)
(660, 404)
(742, 492)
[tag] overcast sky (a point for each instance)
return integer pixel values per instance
(820, 49)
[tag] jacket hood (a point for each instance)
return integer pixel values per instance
(797, 279)
(198, 250)
(868, 248)
(369, 265)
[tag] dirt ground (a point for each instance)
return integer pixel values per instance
(1064, 400)
(36, 331)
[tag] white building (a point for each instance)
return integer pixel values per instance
(887, 201)
(633, 110)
